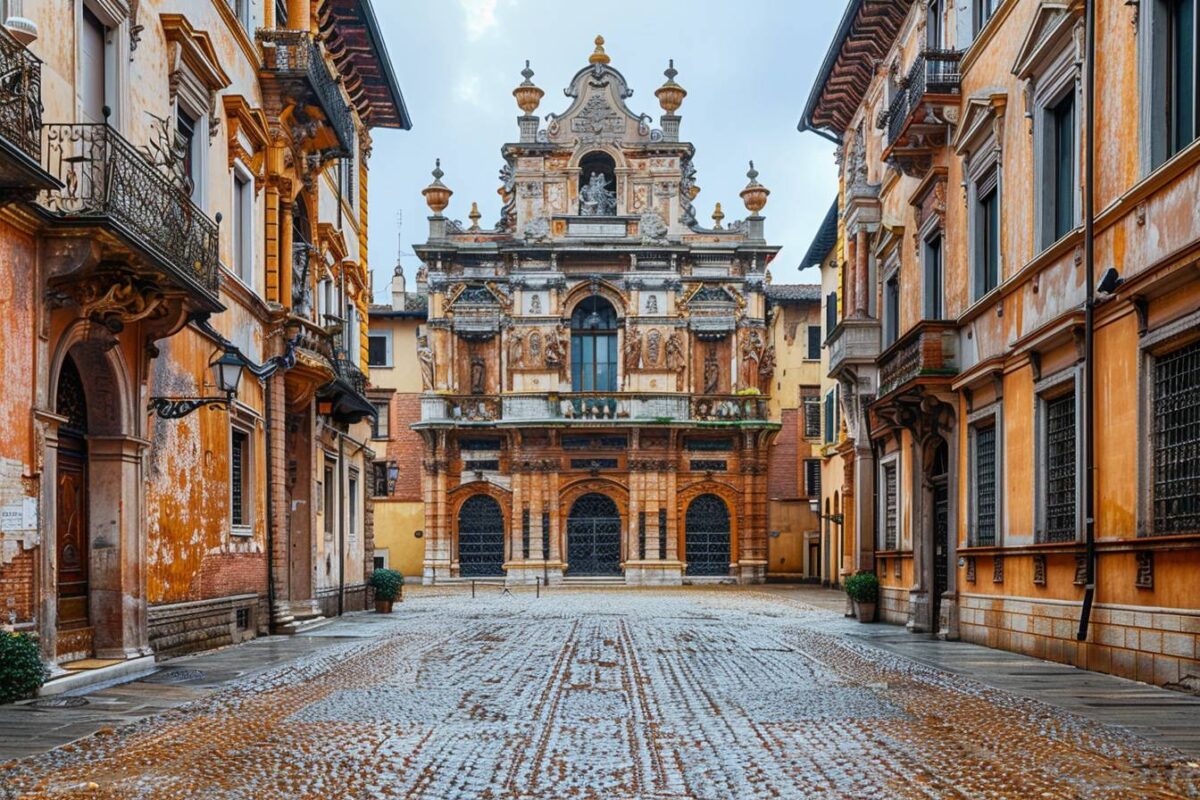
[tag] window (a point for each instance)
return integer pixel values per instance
(812, 417)
(933, 269)
(328, 496)
(1060, 465)
(984, 10)
(1175, 441)
(933, 25)
(831, 416)
(594, 346)
(380, 559)
(1169, 80)
(831, 313)
(381, 484)
(1182, 75)
(352, 510)
(1062, 189)
(241, 10)
(346, 180)
(987, 235)
(891, 309)
(812, 477)
(379, 349)
(185, 131)
(662, 534)
(545, 535)
(814, 343)
(381, 427)
(642, 535)
(243, 228)
(281, 13)
(891, 502)
(985, 486)
(525, 533)
(240, 493)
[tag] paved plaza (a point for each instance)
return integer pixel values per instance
(700, 693)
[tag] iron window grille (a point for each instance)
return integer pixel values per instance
(985, 486)
(482, 465)
(890, 516)
(525, 533)
(707, 536)
(1060, 469)
(709, 445)
(1176, 441)
(545, 535)
(812, 477)
(812, 418)
(662, 534)
(239, 449)
(708, 465)
(642, 535)
(480, 537)
(380, 428)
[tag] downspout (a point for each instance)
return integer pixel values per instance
(268, 395)
(1089, 372)
(341, 520)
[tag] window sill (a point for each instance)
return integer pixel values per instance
(241, 531)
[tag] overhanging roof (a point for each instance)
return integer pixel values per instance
(354, 40)
(863, 37)
(824, 241)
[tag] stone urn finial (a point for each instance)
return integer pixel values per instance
(670, 95)
(598, 55)
(437, 194)
(755, 194)
(527, 94)
(717, 216)
(474, 216)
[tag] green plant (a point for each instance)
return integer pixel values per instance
(387, 584)
(863, 587)
(21, 668)
(751, 392)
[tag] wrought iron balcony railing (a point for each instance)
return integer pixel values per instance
(20, 96)
(928, 350)
(106, 180)
(350, 373)
(935, 72)
(294, 57)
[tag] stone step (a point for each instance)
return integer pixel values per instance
(303, 625)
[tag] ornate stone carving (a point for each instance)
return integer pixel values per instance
(535, 304)
(425, 357)
(478, 375)
(1145, 570)
(766, 366)
(535, 348)
(537, 229)
(653, 348)
(712, 371)
(598, 121)
(633, 350)
(675, 360)
(596, 199)
(1039, 570)
(652, 228)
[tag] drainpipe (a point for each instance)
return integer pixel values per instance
(268, 395)
(341, 520)
(1089, 372)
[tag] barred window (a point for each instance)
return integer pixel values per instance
(1060, 469)
(985, 486)
(890, 510)
(642, 535)
(525, 533)
(812, 417)
(662, 534)
(1176, 441)
(545, 534)
(239, 478)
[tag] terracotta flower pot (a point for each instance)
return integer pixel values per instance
(383, 606)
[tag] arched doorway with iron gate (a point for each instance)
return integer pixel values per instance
(594, 536)
(480, 538)
(707, 536)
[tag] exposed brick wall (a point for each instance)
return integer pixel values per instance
(223, 574)
(404, 446)
(783, 473)
(16, 587)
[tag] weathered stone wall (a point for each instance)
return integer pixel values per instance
(181, 628)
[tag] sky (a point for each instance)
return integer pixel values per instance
(747, 68)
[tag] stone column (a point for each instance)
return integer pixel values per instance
(848, 277)
(919, 601)
(277, 495)
(862, 254)
(864, 516)
(48, 543)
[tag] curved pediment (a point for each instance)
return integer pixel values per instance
(598, 114)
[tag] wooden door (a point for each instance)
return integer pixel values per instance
(72, 534)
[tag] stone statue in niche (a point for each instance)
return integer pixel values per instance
(556, 350)
(535, 304)
(478, 375)
(766, 367)
(653, 348)
(652, 304)
(675, 360)
(712, 371)
(425, 356)
(516, 350)
(596, 199)
(752, 350)
(535, 348)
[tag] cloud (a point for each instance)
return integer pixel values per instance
(468, 90)
(480, 17)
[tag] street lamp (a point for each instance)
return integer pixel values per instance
(814, 505)
(227, 366)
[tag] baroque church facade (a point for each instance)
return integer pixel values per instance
(596, 368)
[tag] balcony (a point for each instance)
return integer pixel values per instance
(924, 111)
(293, 60)
(139, 215)
(21, 172)
(592, 407)
(853, 343)
(928, 351)
(345, 397)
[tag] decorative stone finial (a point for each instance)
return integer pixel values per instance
(437, 194)
(474, 216)
(670, 95)
(598, 55)
(755, 194)
(528, 96)
(717, 216)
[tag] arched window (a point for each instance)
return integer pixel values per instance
(591, 201)
(594, 346)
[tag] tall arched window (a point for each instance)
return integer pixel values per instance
(594, 346)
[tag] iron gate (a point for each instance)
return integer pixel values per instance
(594, 536)
(706, 536)
(480, 538)
(941, 550)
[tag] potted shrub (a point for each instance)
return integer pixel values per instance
(22, 672)
(389, 586)
(863, 590)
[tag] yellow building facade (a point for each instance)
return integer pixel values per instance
(987, 361)
(187, 189)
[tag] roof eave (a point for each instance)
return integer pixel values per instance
(831, 56)
(385, 61)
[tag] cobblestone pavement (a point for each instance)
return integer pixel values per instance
(625, 694)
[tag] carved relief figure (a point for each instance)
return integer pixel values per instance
(752, 348)
(535, 348)
(766, 367)
(712, 371)
(478, 375)
(675, 360)
(535, 304)
(516, 350)
(556, 350)
(425, 356)
(596, 199)
(633, 350)
(652, 304)
(653, 348)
